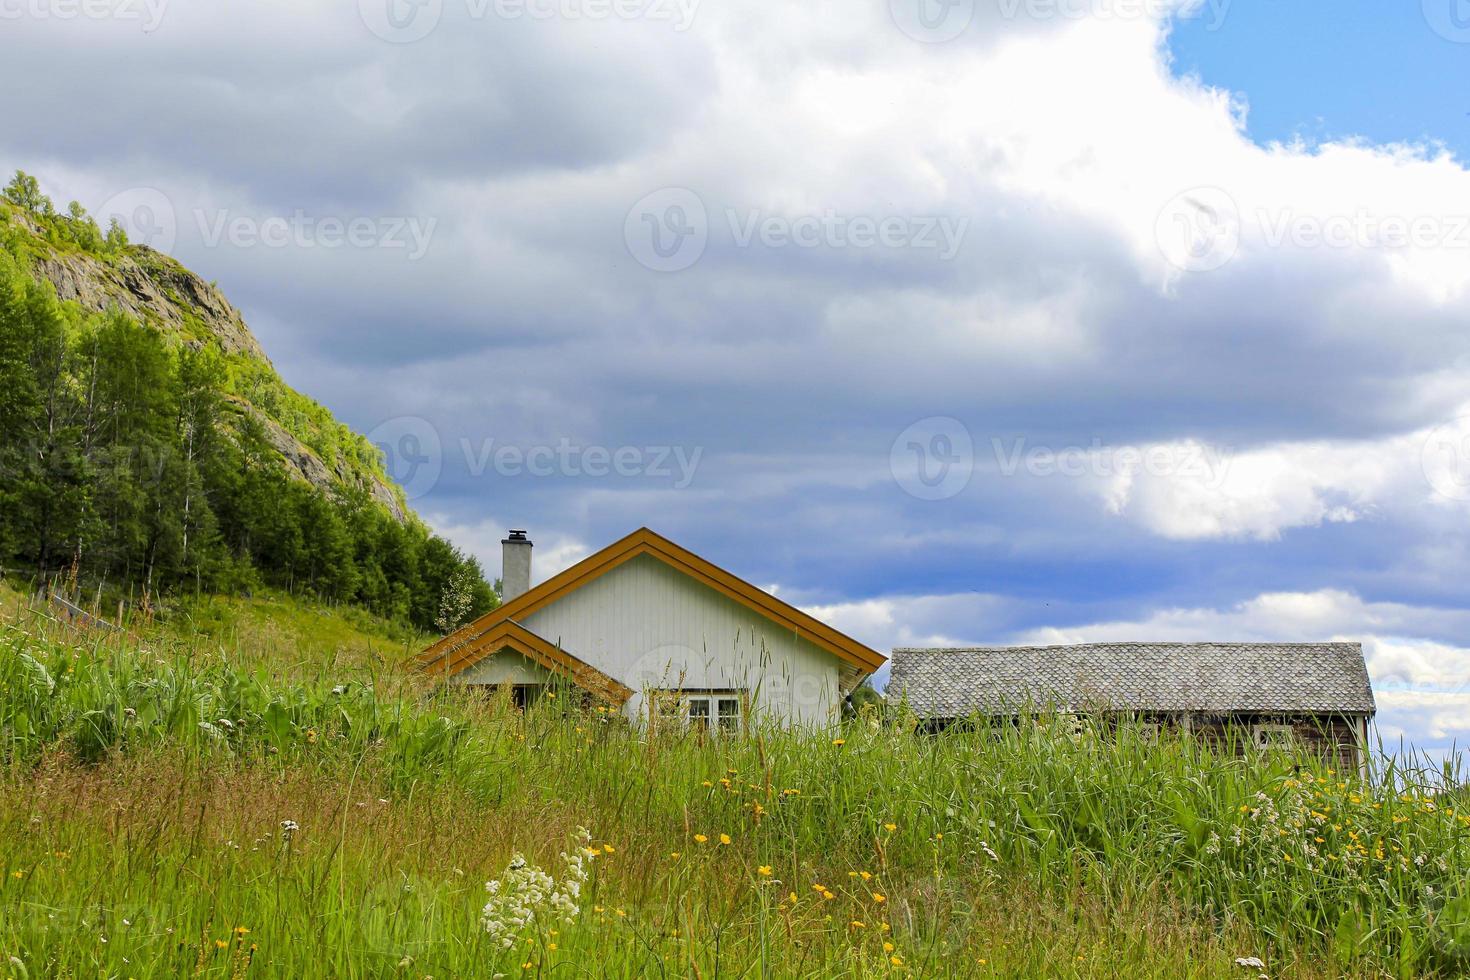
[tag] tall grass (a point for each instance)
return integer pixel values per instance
(145, 791)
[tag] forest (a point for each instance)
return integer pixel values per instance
(128, 467)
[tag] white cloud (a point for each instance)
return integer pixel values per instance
(1261, 492)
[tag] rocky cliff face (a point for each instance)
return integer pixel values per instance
(155, 289)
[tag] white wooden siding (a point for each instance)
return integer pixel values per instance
(506, 667)
(651, 627)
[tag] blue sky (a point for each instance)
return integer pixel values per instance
(994, 321)
(1319, 70)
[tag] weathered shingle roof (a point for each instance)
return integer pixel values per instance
(1163, 677)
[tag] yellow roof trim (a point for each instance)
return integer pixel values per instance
(463, 647)
(510, 635)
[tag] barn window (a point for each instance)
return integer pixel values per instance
(1274, 736)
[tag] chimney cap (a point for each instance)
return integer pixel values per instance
(517, 534)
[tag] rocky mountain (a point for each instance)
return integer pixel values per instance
(154, 289)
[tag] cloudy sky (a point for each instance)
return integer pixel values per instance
(950, 320)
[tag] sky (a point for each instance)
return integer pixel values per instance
(950, 321)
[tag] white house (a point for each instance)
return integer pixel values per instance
(658, 632)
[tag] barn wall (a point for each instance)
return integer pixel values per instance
(653, 627)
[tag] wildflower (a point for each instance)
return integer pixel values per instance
(290, 826)
(523, 892)
(764, 871)
(792, 898)
(241, 931)
(675, 855)
(1250, 962)
(896, 960)
(839, 741)
(887, 947)
(855, 924)
(890, 827)
(608, 849)
(791, 792)
(700, 838)
(879, 897)
(221, 943)
(725, 839)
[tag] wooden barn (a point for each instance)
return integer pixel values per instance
(1314, 696)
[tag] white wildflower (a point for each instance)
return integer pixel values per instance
(1251, 962)
(524, 891)
(290, 826)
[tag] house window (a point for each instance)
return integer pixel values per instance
(1274, 736)
(703, 711)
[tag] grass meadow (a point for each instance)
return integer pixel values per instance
(201, 802)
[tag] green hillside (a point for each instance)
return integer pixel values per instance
(150, 448)
(275, 799)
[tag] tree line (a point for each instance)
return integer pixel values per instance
(124, 464)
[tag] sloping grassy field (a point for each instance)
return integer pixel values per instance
(313, 812)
